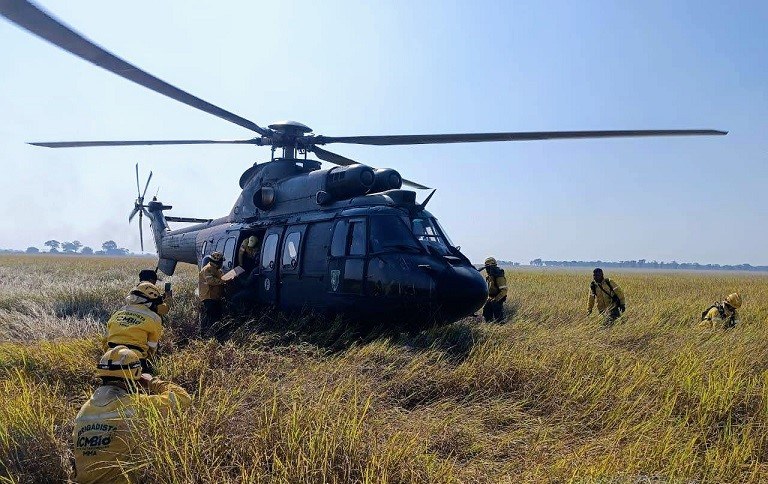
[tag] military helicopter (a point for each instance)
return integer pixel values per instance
(347, 240)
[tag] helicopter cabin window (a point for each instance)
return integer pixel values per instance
(229, 254)
(291, 250)
(269, 253)
(316, 243)
(357, 237)
(389, 233)
(220, 245)
(349, 238)
(339, 242)
(430, 237)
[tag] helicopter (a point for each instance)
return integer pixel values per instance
(350, 240)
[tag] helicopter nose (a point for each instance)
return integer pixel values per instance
(461, 291)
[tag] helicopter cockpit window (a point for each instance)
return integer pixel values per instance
(268, 255)
(291, 250)
(389, 233)
(430, 237)
(443, 233)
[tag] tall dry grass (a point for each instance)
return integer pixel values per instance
(549, 396)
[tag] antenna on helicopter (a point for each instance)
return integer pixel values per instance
(139, 207)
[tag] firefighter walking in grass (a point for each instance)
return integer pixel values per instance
(497, 291)
(106, 431)
(608, 296)
(138, 325)
(722, 315)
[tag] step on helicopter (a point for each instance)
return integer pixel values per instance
(348, 240)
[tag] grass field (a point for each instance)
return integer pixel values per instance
(550, 396)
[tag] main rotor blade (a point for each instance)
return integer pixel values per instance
(29, 16)
(331, 157)
(145, 187)
(138, 186)
(82, 144)
(421, 139)
(413, 184)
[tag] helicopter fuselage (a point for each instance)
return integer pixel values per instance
(378, 257)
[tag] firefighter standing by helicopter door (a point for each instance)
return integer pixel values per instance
(210, 286)
(497, 291)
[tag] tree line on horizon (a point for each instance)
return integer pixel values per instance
(109, 247)
(644, 264)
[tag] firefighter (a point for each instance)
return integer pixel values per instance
(722, 315)
(211, 289)
(497, 291)
(138, 325)
(150, 275)
(609, 297)
(248, 254)
(103, 434)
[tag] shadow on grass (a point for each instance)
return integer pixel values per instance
(336, 335)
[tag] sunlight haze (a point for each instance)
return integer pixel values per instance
(359, 68)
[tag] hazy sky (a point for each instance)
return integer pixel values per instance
(358, 68)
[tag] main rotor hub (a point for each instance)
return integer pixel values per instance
(286, 135)
(290, 128)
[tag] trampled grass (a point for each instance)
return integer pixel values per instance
(549, 396)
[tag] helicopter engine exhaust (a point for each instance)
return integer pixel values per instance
(349, 181)
(386, 179)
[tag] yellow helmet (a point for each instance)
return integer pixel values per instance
(217, 257)
(119, 362)
(148, 290)
(490, 261)
(252, 241)
(733, 300)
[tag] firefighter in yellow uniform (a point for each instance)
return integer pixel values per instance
(493, 310)
(210, 287)
(608, 296)
(722, 315)
(138, 325)
(104, 433)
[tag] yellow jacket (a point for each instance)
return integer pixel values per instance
(601, 293)
(497, 284)
(720, 316)
(209, 283)
(102, 434)
(137, 327)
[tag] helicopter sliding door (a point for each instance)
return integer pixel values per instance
(268, 279)
(292, 290)
(347, 262)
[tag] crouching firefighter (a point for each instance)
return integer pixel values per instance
(722, 315)
(608, 295)
(138, 325)
(493, 310)
(104, 434)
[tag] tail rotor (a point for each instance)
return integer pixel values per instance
(139, 207)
